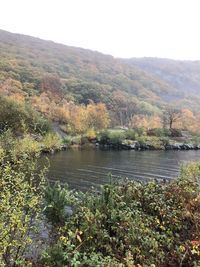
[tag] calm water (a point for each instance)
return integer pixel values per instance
(82, 169)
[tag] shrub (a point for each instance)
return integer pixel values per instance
(57, 201)
(131, 134)
(116, 137)
(196, 140)
(91, 134)
(39, 124)
(142, 140)
(51, 141)
(26, 145)
(155, 142)
(165, 141)
(21, 194)
(159, 132)
(103, 137)
(140, 131)
(175, 133)
(133, 224)
(67, 140)
(77, 140)
(15, 116)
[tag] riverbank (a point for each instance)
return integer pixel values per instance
(149, 146)
(138, 139)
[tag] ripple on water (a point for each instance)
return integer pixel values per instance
(82, 169)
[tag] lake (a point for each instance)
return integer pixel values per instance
(82, 169)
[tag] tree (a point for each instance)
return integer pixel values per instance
(125, 107)
(97, 116)
(170, 116)
(51, 83)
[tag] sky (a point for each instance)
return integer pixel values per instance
(122, 28)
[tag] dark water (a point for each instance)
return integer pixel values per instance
(86, 168)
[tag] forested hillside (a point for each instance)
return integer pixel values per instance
(181, 75)
(55, 80)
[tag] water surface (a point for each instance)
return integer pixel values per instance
(82, 169)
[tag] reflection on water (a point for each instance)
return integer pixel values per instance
(82, 169)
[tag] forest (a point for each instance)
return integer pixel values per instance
(61, 84)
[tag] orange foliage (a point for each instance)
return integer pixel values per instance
(97, 116)
(79, 118)
(147, 122)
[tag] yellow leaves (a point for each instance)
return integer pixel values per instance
(64, 239)
(158, 221)
(27, 144)
(20, 202)
(142, 121)
(29, 263)
(50, 141)
(79, 238)
(160, 224)
(182, 248)
(162, 227)
(195, 243)
(78, 117)
(195, 250)
(97, 116)
(91, 134)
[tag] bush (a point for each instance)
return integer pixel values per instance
(21, 194)
(175, 133)
(140, 131)
(57, 201)
(196, 140)
(39, 124)
(51, 141)
(103, 137)
(133, 224)
(76, 140)
(26, 145)
(67, 140)
(142, 140)
(131, 134)
(155, 142)
(159, 132)
(165, 141)
(17, 117)
(91, 134)
(116, 138)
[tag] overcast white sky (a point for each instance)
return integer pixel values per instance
(122, 28)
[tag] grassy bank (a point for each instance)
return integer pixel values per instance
(137, 138)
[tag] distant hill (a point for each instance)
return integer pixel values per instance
(83, 75)
(179, 74)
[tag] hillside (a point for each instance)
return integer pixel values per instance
(182, 75)
(31, 67)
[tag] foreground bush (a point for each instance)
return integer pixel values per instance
(132, 224)
(21, 195)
